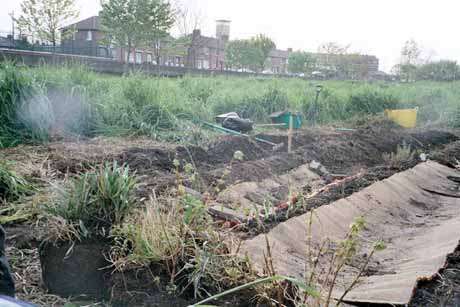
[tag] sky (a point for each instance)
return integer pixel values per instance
(375, 27)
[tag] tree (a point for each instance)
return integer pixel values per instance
(333, 48)
(334, 59)
(188, 19)
(410, 57)
(439, 71)
(301, 62)
(264, 45)
(188, 22)
(249, 53)
(410, 53)
(44, 18)
(242, 54)
(137, 23)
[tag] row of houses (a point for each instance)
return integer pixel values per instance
(200, 52)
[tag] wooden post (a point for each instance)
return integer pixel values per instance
(290, 133)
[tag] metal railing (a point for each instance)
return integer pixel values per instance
(23, 43)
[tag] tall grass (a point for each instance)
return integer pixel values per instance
(20, 99)
(136, 104)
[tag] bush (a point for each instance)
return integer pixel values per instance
(370, 101)
(97, 200)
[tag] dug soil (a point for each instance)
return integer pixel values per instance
(340, 152)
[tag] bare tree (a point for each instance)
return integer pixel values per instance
(189, 21)
(335, 56)
(410, 58)
(333, 48)
(188, 18)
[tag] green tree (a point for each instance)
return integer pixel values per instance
(301, 62)
(410, 53)
(264, 45)
(249, 53)
(439, 71)
(137, 23)
(43, 19)
(242, 54)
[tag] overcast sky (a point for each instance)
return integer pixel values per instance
(377, 27)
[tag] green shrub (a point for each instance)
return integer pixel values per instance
(370, 101)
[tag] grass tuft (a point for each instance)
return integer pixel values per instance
(403, 154)
(97, 200)
(12, 186)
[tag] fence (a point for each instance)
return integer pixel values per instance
(8, 41)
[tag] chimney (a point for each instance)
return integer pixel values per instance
(289, 50)
(223, 30)
(196, 33)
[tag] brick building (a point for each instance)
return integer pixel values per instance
(86, 39)
(205, 52)
(347, 66)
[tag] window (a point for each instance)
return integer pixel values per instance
(115, 54)
(149, 57)
(103, 51)
(131, 57)
(74, 35)
(178, 61)
(206, 64)
(89, 36)
(138, 57)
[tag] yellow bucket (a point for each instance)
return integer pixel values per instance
(406, 118)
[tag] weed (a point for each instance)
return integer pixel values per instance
(403, 154)
(317, 287)
(177, 232)
(97, 200)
